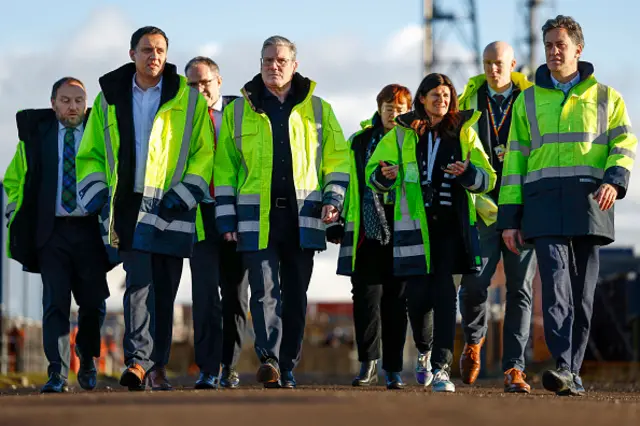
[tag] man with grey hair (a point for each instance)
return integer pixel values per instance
(569, 159)
(218, 327)
(281, 172)
(493, 93)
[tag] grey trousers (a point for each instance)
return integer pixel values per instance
(569, 273)
(519, 271)
(151, 286)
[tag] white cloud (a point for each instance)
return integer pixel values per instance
(106, 32)
(210, 49)
(403, 45)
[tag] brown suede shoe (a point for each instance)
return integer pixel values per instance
(514, 381)
(470, 362)
(159, 381)
(133, 377)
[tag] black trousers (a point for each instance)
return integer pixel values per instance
(219, 325)
(72, 262)
(432, 298)
(379, 306)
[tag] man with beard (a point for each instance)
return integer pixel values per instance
(53, 234)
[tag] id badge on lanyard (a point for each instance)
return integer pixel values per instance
(429, 191)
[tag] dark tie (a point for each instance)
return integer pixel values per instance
(498, 99)
(68, 199)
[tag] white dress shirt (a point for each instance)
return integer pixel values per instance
(77, 133)
(145, 107)
(217, 116)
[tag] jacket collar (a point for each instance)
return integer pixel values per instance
(474, 84)
(543, 75)
(253, 91)
(116, 85)
(408, 119)
(29, 119)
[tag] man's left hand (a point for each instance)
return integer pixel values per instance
(605, 196)
(330, 213)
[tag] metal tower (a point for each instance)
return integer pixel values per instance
(530, 49)
(461, 58)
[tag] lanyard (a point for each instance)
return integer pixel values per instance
(433, 151)
(497, 127)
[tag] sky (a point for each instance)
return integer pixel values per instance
(351, 48)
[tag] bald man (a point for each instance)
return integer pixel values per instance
(493, 93)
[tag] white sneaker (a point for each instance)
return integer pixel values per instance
(441, 381)
(424, 376)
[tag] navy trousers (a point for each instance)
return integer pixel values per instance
(569, 273)
(279, 278)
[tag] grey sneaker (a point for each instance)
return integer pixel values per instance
(442, 382)
(577, 383)
(560, 381)
(424, 376)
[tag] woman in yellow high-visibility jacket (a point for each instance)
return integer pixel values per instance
(435, 162)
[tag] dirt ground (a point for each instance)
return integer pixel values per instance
(310, 405)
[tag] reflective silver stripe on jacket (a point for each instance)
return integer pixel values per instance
(108, 147)
(238, 116)
(600, 137)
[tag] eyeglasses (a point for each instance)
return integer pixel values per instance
(281, 62)
(197, 84)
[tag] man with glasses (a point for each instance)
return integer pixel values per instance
(282, 169)
(215, 344)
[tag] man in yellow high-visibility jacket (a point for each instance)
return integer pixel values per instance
(144, 164)
(49, 232)
(281, 172)
(493, 93)
(569, 158)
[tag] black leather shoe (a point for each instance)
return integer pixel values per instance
(159, 380)
(287, 381)
(87, 373)
(368, 374)
(394, 381)
(206, 381)
(56, 384)
(559, 381)
(229, 378)
(269, 372)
